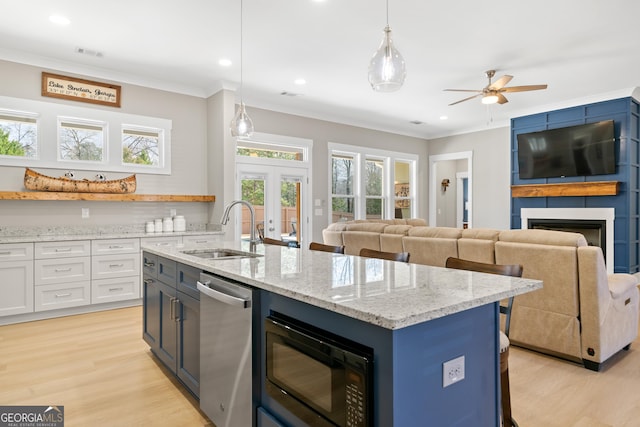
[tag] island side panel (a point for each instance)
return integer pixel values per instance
(419, 352)
(408, 364)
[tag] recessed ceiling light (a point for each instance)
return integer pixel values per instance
(443, 117)
(292, 94)
(416, 122)
(59, 19)
(300, 82)
(224, 62)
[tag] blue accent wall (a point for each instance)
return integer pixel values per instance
(625, 114)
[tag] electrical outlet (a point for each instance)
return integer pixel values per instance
(85, 213)
(452, 371)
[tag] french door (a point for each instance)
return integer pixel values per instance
(279, 196)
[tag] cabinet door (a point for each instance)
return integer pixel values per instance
(151, 312)
(16, 287)
(189, 343)
(150, 264)
(168, 343)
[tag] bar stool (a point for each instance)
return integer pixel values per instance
(391, 256)
(313, 246)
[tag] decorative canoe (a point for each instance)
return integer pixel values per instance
(36, 181)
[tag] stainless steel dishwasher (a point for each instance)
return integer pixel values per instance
(225, 351)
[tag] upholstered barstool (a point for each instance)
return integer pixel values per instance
(505, 270)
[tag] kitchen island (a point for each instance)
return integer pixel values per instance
(414, 317)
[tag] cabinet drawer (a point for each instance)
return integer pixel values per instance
(115, 246)
(16, 251)
(118, 289)
(51, 297)
(167, 271)
(73, 248)
(49, 271)
(16, 287)
(204, 239)
(161, 241)
(105, 266)
(150, 264)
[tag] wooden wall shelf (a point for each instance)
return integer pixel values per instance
(102, 197)
(597, 188)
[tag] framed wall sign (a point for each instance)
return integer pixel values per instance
(74, 89)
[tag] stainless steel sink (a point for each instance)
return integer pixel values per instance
(220, 253)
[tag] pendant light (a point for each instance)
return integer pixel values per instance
(241, 125)
(387, 70)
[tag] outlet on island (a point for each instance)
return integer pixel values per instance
(85, 213)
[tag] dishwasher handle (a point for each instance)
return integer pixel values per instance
(223, 296)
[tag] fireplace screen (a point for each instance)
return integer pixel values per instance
(594, 230)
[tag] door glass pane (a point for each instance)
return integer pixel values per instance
(290, 208)
(252, 192)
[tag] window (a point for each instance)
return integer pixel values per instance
(141, 146)
(369, 183)
(374, 184)
(266, 149)
(80, 140)
(61, 136)
(18, 135)
(342, 187)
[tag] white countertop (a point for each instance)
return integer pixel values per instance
(389, 294)
(52, 237)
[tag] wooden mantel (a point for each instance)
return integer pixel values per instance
(596, 188)
(103, 197)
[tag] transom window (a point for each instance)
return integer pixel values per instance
(368, 183)
(18, 134)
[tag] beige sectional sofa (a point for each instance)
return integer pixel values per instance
(581, 313)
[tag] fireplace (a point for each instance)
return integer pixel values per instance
(596, 224)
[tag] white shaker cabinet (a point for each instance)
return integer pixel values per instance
(62, 274)
(115, 270)
(16, 272)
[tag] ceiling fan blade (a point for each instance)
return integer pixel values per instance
(523, 88)
(502, 99)
(462, 90)
(501, 82)
(466, 99)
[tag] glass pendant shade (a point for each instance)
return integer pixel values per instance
(387, 69)
(241, 125)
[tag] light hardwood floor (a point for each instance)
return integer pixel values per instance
(100, 369)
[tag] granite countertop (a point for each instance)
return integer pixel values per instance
(110, 234)
(388, 294)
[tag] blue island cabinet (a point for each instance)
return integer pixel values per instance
(408, 366)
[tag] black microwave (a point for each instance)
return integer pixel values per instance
(321, 378)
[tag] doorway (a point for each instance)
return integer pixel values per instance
(278, 195)
(446, 206)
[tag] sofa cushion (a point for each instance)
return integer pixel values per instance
(442, 232)
(373, 227)
(543, 237)
(430, 250)
(481, 233)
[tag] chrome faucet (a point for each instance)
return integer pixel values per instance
(252, 212)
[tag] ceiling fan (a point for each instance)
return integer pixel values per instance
(493, 92)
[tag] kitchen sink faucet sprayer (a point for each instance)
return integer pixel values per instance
(252, 224)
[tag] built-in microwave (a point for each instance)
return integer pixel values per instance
(321, 378)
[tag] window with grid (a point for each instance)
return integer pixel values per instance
(371, 184)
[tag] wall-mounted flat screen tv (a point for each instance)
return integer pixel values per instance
(581, 150)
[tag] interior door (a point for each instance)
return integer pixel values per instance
(276, 194)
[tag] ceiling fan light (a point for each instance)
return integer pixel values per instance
(387, 70)
(490, 98)
(241, 125)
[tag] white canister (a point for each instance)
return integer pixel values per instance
(149, 227)
(158, 225)
(179, 223)
(167, 225)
